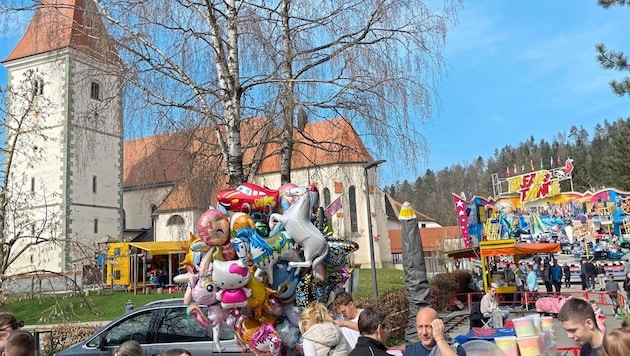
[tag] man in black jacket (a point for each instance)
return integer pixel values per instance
(590, 274)
(375, 328)
(566, 269)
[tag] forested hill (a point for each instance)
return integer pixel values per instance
(601, 159)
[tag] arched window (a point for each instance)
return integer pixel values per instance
(153, 214)
(95, 91)
(326, 197)
(38, 86)
(124, 219)
(175, 220)
(352, 197)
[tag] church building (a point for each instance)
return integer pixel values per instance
(77, 184)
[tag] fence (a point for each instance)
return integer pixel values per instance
(527, 299)
(44, 345)
(568, 351)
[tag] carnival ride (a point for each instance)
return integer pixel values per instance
(530, 210)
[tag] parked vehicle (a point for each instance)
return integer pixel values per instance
(157, 326)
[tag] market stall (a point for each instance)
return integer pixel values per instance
(490, 251)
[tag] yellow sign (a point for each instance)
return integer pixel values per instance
(533, 186)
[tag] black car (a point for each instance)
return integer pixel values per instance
(157, 326)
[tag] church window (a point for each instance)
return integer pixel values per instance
(95, 92)
(93, 184)
(352, 196)
(32, 185)
(326, 197)
(153, 214)
(175, 220)
(96, 226)
(38, 86)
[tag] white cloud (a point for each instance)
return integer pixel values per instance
(477, 30)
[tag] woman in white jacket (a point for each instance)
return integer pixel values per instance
(321, 336)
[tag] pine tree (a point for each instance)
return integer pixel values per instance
(610, 59)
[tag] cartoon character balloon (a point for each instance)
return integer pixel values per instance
(214, 229)
(231, 277)
(255, 271)
(297, 223)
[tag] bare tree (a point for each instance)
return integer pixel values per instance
(374, 62)
(30, 219)
(22, 228)
(213, 63)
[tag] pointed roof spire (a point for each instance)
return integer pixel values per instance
(58, 24)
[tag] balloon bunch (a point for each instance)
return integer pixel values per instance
(257, 262)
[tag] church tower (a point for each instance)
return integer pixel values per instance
(64, 168)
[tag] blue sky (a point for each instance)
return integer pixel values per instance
(522, 68)
(514, 69)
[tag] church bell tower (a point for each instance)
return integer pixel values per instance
(64, 186)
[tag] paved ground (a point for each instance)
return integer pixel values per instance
(561, 336)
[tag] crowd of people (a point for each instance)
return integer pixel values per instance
(358, 332)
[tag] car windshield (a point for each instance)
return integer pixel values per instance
(136, 327)
(177, 326)
(244, 190)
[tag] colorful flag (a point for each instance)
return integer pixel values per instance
(507, 171)
(515, 171)
(531, 163)
(333, 207)
(551, 162)
(522, 168)
(559, 161)
(462, 217)
(541, 164)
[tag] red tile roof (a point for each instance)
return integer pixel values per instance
(191, 159)
(58, 24)
(321, 143)
(432, 238)
(396, 210)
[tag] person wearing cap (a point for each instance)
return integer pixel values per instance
(8, 325)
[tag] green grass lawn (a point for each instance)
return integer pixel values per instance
(64, 309)
(386, 280)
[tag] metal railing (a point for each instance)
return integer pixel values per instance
(527, 299)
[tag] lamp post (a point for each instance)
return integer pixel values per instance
(366, 167)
